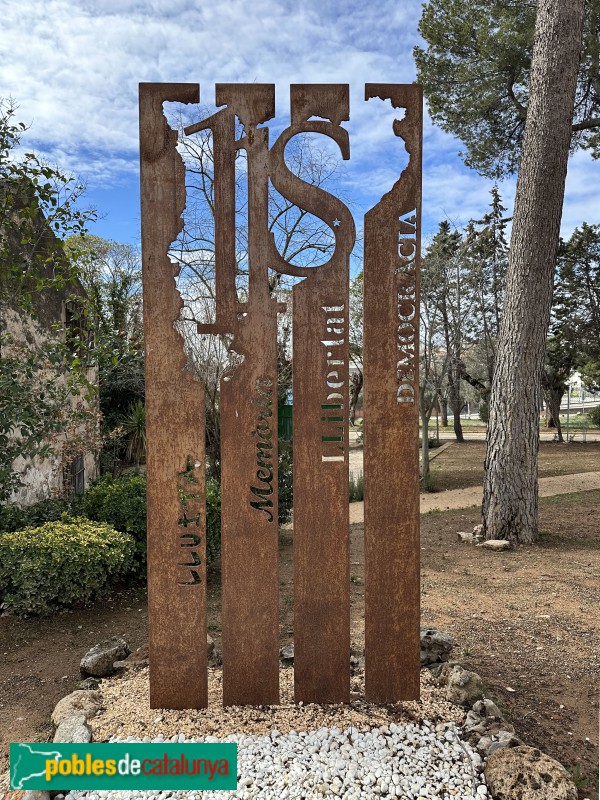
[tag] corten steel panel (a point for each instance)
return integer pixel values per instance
(320, 385)
(175, 427)
(248, 398)
(391, 457)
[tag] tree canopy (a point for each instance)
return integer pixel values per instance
(475, 72)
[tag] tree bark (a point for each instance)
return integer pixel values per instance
(356, 385)
(456, 403)
(553, 397)
(443, 403)
(510, 481)
(424, 436)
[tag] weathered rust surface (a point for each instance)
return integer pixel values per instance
(391, 457)
(248, 396)
(175, 427)
(320, 386)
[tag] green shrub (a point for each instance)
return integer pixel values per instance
(356, 487)
(213, 519)
(484, 412)
(285, 481)
(429, 483)
(120, 502)
(61, 563)
(15, 518)
(594, 416)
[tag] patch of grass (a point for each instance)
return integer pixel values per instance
(579, 498)
(356, 488)
(356, 580)
(579, 778)
(429, 483)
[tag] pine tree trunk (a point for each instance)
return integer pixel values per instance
(424, 436)
(456, 403)
(444, 412)
(510, 482)
(553, 399)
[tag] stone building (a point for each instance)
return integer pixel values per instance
(51, 313)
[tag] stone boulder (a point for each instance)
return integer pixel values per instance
(525, 773)
(89, 683)
(498, 545)
(463, 688)
(73, 730)
(286, 654)
(98, 662)
(210, 645)
(436, 646)
(485, 719)
(137, 660)
(78, 703)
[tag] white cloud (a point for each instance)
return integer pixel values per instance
(74, 69)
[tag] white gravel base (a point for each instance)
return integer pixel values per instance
(406, 761)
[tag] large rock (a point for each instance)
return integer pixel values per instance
(73, 729)
(464, 688)
(525, 773)
(436, 646)
(486, 729)
(496, 544)
(36, 794)
(98, 662)
(137, 660)
(485, 719)
(210, 645)
(78, 703)
(286, 655)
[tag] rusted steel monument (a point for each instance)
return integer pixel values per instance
(248, 406)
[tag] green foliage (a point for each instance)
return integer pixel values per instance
(594, 416)
(60, 564)
(134, 426)
(576, 304)
(15, 518)
(475, 73)
(38, 209)
(120, 502)
(39, 383)
(285, 481)
(110, 273)
(213, 519)
(579, 778)
(429, 483)
(484, 412)
(356, 487)
(45, 396)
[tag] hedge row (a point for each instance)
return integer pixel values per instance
(61, 563)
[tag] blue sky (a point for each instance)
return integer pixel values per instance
(74, 68)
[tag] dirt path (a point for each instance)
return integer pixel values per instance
(472, 495)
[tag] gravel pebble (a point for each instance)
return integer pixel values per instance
(359, 751)
(411, 763)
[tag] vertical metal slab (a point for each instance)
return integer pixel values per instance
(320, 387)
(248, 404)
(175, 427)
(391, 456)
